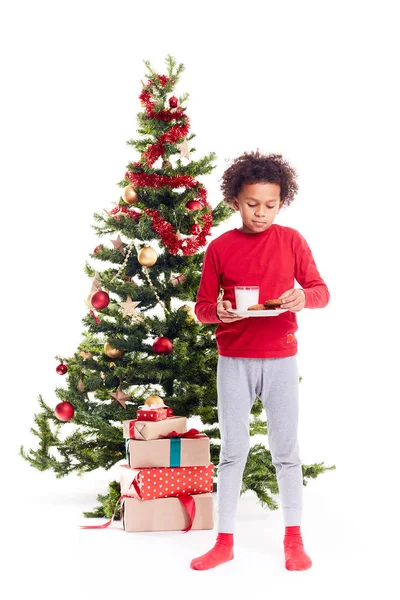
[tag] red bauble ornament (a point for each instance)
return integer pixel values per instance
(100, 299)
(195, 229)
(162, 345)
(61, 369)
(64, 411)
(194, 205)
(96, 250)
(173, 102)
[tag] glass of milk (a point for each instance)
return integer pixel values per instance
(246, 295)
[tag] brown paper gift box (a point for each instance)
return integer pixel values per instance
(149, 430)
(171, 452)
(166, 514)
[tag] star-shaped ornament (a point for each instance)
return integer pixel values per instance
(120, 397)
(184, 149)
(119, 245)
(129, 308)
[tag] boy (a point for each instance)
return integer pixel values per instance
(257, 356)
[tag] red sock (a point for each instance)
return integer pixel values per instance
(295, 557)
(220, 553)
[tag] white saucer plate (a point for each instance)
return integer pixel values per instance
(258, 313)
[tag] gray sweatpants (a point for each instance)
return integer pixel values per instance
(275, 381)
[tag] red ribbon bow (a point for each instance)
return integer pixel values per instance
(192, 433)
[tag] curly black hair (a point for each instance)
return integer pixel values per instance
(254, 167)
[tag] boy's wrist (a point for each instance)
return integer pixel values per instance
(216, 311)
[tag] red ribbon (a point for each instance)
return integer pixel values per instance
(192, 433)
(136, 486)
(108, 522)
(132, 428)
(189, 504)
(95, 318)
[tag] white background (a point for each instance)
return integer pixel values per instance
(315, 81)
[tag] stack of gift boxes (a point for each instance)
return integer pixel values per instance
(167, 482)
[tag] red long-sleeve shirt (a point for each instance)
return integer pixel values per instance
(273, 260)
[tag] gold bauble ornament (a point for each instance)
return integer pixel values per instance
(112, 352)
(153, 400)
(129, 194)
(190, 313)
(147, 256)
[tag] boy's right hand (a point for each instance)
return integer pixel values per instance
(224, 315)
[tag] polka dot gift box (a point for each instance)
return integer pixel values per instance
(164, 482)
(154, 409)
(152, 414)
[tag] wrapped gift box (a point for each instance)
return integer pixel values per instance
(149, 430)
(171, 452)
(147, 484)
(166, 514)
(152, 414)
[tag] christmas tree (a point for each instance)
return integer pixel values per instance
(141, 339)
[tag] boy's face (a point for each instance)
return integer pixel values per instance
(258, 204)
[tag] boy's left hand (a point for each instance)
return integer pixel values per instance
(294, 300)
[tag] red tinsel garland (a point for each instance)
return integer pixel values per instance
(169, 238)
(176, 132)
(129, 212)
(167, 233)
(154, 180)
(163, 79)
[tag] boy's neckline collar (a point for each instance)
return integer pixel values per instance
(255, 235)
